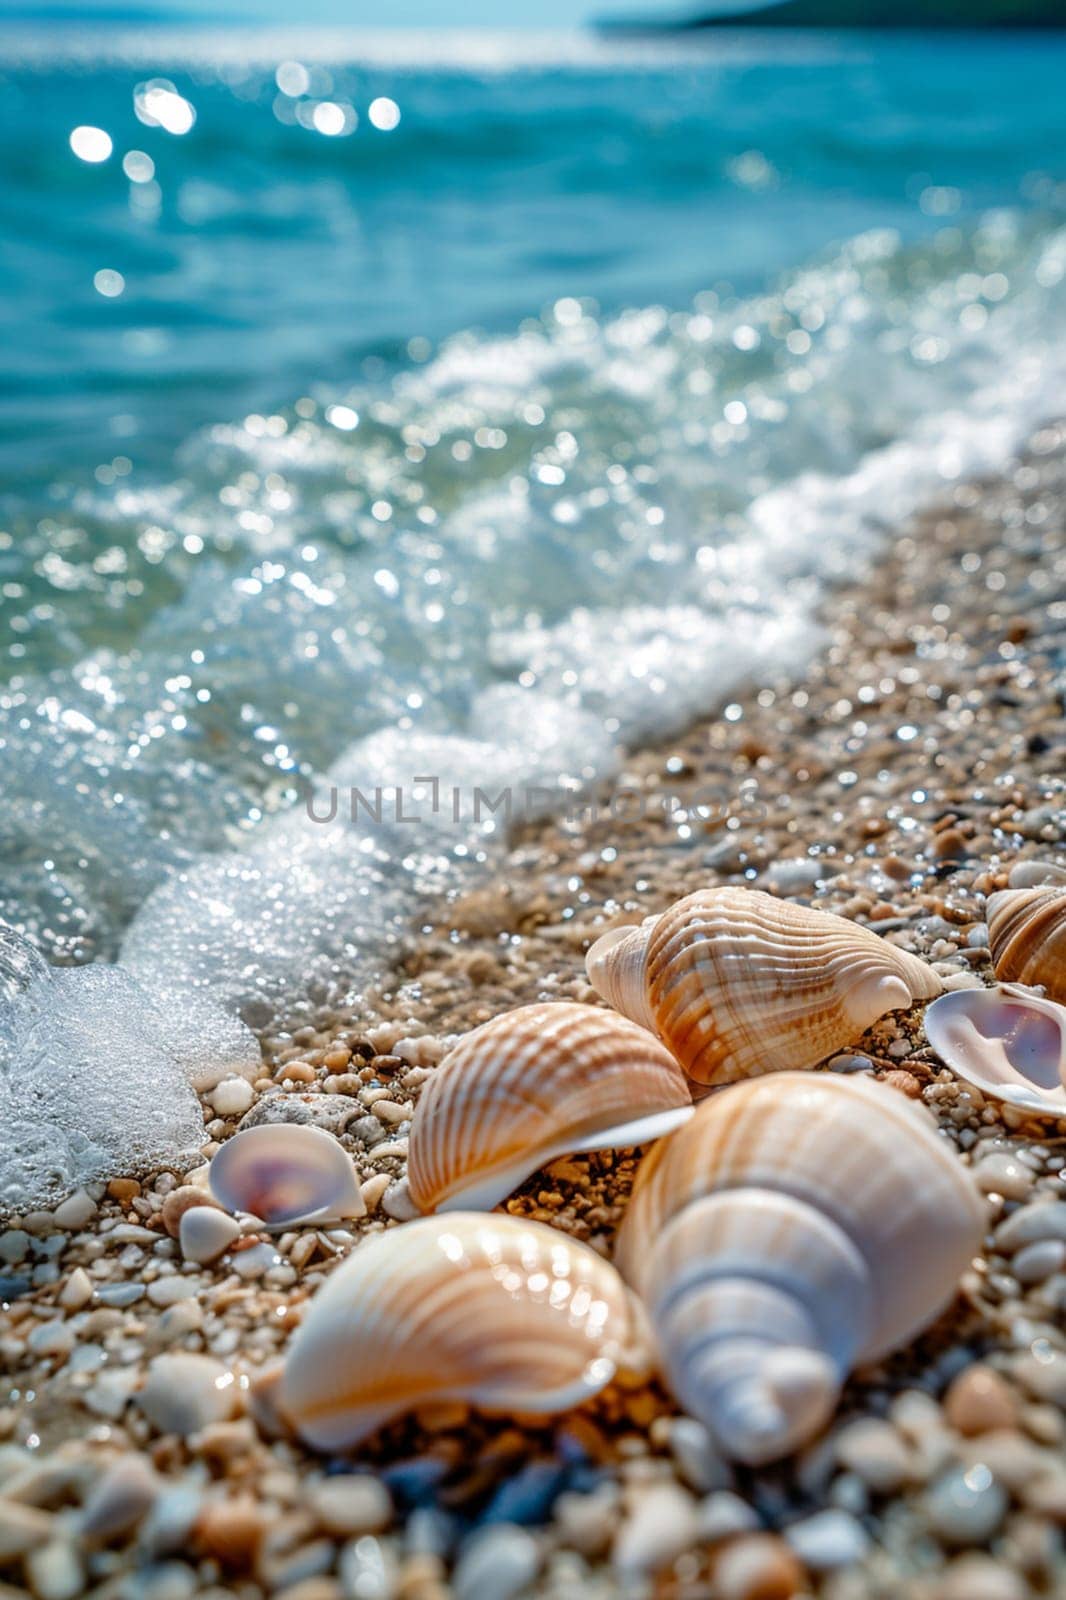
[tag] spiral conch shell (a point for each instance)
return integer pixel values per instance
(1010, 1043)
(1027, 937)
(533, 1084)
(510, 1316)
(736, 982)
(799, 1225)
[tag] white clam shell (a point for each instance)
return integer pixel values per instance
(506, 1315)
(533, 1084)
(737, 982)
(284, 1173)
(1010, 1044)
(798, 1225)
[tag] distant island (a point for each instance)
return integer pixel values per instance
(971, 14)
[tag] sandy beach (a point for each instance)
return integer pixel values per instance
(898, 782)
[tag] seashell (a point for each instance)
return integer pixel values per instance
(736, 982)
(533, 1084)
(795, 1227)
(503, 1314)
(1027, 937)
(286, 1172)
(1011, 1044)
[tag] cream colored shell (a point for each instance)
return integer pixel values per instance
(737, 983)
(1027, 937)
(798, 1225)
(1011, 1044)
(533, 1084)
(507, 1315)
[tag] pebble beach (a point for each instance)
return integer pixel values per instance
(915, 767)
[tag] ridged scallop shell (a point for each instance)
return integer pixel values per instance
(1010, 1044)
(509, 1316)
(532, 1084)
(737, 983)
(1027, 937)
(798, 1225)
(285, 1172)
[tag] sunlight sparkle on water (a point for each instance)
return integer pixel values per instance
(384, 114)
(90, 144)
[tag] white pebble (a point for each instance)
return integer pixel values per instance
(1001, 1173)
(232, 1097)
(184, 1392)
(828, 1540)
(76, 1211)
(1044, 1219)
(77, 1291)
(660, 1527)
(204, 1233)
(168, 1291)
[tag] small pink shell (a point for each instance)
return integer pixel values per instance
(285, 1173)
(1007, 1042)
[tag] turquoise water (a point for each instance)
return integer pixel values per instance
(487, 403)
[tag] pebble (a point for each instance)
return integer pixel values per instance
(757, 1566)
(874, 1451)
(828, 1540)
(350, 1504)
(979, 1400)
(181, 1200)
(496, 1563)
(206, 1233)
(1038, 1261)
(77, 1291)
(1045, 1219)
(55, 1571)
(966, 1506)
(14, 1246)
(77, 1211)
(586, 1522)
(231, 1530)
(722, 1515)
(184, 1392)
(118, 1501)
(1032, 874)
(1000, 1173)
(697, 1456)
(22, 1528)
(367, 1570)
(661, 1525)
(169, 1290)
(333, 1112)
(232, 1097)
(979, 1577)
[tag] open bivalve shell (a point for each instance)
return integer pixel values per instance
(533, 1084)
(284, 1173)
(509, 1316)
(736, 982)
(1010, 1044)
(1027, 937)
(799, 1225)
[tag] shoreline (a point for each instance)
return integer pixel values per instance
(918, 759)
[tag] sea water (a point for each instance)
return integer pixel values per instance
(389, 422)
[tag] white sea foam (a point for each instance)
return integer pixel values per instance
(528, 553)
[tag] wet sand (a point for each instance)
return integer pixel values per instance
(898, 783)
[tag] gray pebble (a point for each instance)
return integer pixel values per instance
(828, 1540)
(1044, 1219)
(496, 1563)
(697, 1456)
(966, 1506)
(333, 1112)
(1039, 1260)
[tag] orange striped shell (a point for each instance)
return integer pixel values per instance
(1027, 937)
(737, 983)
(531, 1085)
(504, 1314)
